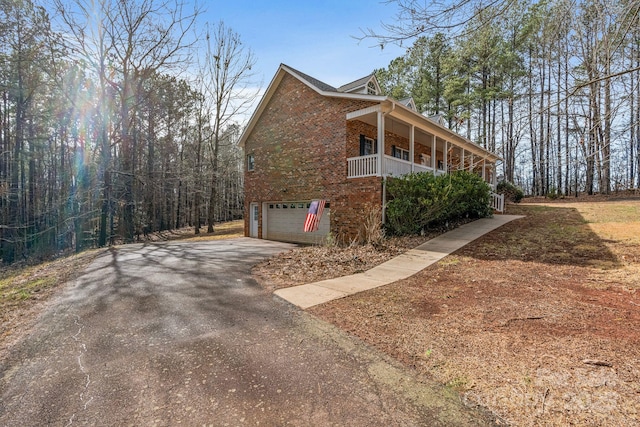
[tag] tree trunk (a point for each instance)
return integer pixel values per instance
(128, 165)
(606, 148)
(214, 183)
(541, 184)
(559, 128)
(632, 125)
(532, 134)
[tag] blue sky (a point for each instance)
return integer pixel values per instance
(315, 37)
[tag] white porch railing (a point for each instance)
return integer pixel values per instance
(497, 201)
(362, 166)
(397, 167)
(359, 167)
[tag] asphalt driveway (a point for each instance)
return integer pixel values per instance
(179, 333)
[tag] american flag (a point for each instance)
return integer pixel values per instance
(313, 216)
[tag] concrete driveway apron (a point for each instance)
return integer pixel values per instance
(179, 333)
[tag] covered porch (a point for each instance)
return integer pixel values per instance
(395, 140)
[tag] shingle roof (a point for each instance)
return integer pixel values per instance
(341, 92)
(357, 83)
(406, 101)
(315, 82)
(437, 118)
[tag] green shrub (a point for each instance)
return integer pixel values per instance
(421, 200)
(511, 192)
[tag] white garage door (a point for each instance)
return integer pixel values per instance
(285, 222)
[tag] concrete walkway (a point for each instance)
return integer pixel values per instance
(401, 267)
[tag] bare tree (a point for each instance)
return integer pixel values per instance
(416, 18)
(23, 37)
(147, 37)
(84, 22)
(227, 83)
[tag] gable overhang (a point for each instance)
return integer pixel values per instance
(275, 82)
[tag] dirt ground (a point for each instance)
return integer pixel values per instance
(539, 321)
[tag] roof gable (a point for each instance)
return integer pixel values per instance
(439, 119)
(408, 102)
(320, 87)
(365, 85)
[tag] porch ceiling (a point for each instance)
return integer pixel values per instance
(398, 127)
(398, 119)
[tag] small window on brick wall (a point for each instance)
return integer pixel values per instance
(251, 163)
(368, 146)
(399, 153)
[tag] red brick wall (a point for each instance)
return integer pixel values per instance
(356, 128)
(300, 148)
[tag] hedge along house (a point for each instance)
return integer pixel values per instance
(308, 140)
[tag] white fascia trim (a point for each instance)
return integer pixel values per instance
(359, 113)
(359, 96)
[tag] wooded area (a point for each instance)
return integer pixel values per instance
(119, 118)
(100, 140)
(552, 86)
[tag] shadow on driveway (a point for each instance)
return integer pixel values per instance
(178, 332)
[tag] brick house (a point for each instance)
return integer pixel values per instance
(308, 140)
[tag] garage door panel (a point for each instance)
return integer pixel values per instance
(285, 222)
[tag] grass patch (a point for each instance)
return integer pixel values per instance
(449, 261)
(29, 288)
(227, 230)
(459, 384)
(22, 284)
(552, 234)
(607, 212)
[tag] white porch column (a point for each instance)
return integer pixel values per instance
(484, 170)
(494, 178)
(412, 131)
(445, 161)
(380, 143)
(434, 153)
(473, 159)
(462, 153)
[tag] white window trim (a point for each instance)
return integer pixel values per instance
(400, 154)
(374, 148)
(371, 88)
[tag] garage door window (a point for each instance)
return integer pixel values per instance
(294, 205)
